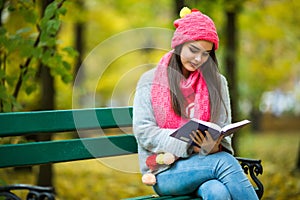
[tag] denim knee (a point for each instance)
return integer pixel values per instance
(213, 190)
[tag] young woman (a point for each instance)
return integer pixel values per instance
(187, 84)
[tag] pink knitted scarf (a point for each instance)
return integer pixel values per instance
(194, 89)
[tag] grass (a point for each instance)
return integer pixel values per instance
(116, 178)
(278, 152)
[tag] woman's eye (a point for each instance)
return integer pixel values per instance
(205, 54)
(193, 50)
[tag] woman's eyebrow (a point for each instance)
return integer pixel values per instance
(195, 47)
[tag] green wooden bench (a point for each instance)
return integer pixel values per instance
(55, 151)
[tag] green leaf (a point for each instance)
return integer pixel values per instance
(7, 106)
(53, 26)
(10, 80)
(23, 30)
(50, 11)
(71, 51)
(29, 76)
(62, 10)
(66, 65)
(67, 78)
(37, 52)
(43, 39)
(2, 74)
(25, 48)
(30, 88)
(46, 57)
(4, 97)
(3, 92)
(56, 61)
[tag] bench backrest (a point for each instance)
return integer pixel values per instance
(44, 122)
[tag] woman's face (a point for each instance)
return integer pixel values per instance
(194, 54)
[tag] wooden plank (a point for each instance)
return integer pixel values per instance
(65, 150)
(155, 197)
(23, 123)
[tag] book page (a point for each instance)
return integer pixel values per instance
(208, 124)
(235, 126)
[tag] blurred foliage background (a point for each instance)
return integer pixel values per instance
(64, 37)
(58, 54)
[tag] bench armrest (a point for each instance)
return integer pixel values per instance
(253, 167)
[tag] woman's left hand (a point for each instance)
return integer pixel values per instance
(206, 142)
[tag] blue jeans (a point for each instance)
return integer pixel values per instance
(215, 176)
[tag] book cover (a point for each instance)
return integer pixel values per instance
(183, 133)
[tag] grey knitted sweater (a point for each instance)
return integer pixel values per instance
(153, 139)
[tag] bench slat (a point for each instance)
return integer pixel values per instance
(66, 150)
(155, 197)
(24, 123)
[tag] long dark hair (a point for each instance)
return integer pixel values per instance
(210, 71)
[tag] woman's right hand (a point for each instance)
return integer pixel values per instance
(206, 143)
(196, 149)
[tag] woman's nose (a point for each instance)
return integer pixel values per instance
(198, 58)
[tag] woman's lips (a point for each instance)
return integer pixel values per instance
(196, 66)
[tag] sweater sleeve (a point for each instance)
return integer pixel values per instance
(149, 135)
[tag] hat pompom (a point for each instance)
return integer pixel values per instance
(184, 11)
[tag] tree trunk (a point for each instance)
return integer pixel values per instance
(179, 4)
(230, 61)
(298, 160)
(79, 41)
(47, 103)
(79, 28)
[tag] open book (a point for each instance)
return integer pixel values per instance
(183, 133)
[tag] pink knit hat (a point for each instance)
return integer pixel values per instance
(194, 26)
